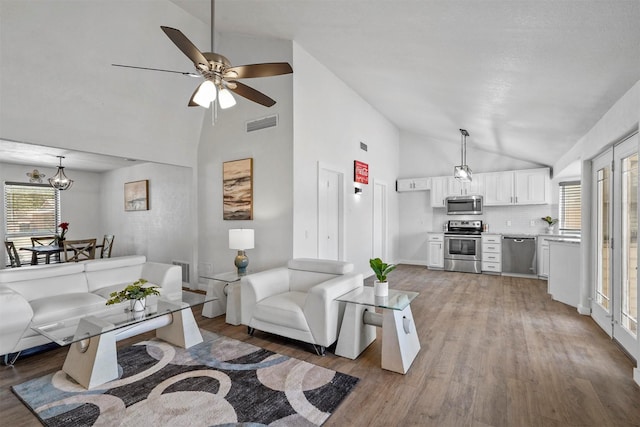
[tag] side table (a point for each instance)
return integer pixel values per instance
(400, 343)
(226, 288)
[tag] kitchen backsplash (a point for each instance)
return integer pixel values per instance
(505, 219)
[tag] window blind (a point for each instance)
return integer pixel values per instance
(570, 210)
(30, 210)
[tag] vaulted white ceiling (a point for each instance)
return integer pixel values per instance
(527, 79)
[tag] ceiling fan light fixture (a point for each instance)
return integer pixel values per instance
(60, 181)
(205, 94)
(226, 99)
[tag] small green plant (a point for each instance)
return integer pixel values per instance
(550, 221)
(381, 269)
(133, 292)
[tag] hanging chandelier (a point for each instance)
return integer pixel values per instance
(463, 172)
(60, 181)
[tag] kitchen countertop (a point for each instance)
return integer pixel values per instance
(560, 239)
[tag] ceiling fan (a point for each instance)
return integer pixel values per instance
(220, 78)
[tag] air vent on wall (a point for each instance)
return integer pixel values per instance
(266, 122)
(185, 270)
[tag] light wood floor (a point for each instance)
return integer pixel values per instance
(496, 351)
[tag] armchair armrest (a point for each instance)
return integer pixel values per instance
(167, 276)
(323, 312)
(258, 286)
(15, 316)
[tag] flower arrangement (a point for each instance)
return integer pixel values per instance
(136, 291)
(550, 221)
(381, 269)
(64, 226)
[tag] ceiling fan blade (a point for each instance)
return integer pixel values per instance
(258, 70)
(184, 73)
(251, 94)
(192, 103)
(188, 48)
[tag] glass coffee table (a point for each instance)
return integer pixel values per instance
(400, 343)
(92, 357)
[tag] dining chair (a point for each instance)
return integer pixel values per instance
(79, 250)
(107, 245)
(13, 254)
(43, 241)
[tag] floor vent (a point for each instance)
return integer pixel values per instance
(185, 270)
(266, 122)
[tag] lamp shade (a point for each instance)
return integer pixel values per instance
(205, 94)
(241, 238)
(225, 99)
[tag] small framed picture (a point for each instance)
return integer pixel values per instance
(237, 191)
(136, 195)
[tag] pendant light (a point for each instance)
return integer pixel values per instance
(60, 181)
(463, 172)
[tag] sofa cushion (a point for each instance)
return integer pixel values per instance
(283, 310)
(321, 265)
(61, 307)
(108, 263)
(101, 273)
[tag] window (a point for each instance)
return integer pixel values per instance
(30, 210)
(570, 207)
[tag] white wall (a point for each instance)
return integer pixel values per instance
(58, 88)
(272, 153)
(164, 232)
(330, 121)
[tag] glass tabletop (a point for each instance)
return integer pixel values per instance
(75, 329)
(229, 277)
(396, 300)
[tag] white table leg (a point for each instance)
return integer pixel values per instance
(233, 304)
(93, 361)
(354, 335)
(183, 331)
(215, 288)
(400, 343)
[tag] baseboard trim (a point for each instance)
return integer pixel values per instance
(586, 311)
(636, 375)
(412, 262)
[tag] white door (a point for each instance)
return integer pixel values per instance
(602, 295)
(625, 247)
(379, 220)
(330, 208)
(615, 298)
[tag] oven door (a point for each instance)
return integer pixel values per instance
(462, 247)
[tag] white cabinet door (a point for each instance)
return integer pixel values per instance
(439, 188)
(421, 184)
(404, 184)
(498, 188)
(475, 187)
(436, 250)
(531, 187)
(454, 187)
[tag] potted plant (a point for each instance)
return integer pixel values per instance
(550, 222)
(381, 269)
(136, 294)
(64, 226)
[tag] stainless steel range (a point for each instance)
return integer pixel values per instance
(462, 246)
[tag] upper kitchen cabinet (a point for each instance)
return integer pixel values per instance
(439, 189)
(473, 188)
(413, 184)
(522, 187)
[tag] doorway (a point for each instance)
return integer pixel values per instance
(330, 213)
(615, 227)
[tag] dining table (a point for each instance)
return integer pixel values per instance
(46, 250)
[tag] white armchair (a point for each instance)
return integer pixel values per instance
(299, 301)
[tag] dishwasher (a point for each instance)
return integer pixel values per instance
(519, 255)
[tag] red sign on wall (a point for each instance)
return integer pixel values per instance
(360, 172)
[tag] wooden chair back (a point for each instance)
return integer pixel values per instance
(107, 244)
(43, 241)
(79, 250)
(14, 259)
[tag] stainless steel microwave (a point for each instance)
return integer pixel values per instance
(464, 205)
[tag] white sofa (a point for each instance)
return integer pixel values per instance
(299, 301)
(36, 295)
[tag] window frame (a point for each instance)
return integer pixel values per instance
(576, 207)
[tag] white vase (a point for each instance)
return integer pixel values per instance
(380, 289)
(138, 305)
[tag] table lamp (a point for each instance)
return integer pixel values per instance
(241, 239)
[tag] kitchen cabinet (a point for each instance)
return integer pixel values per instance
(435, 243)
(564, 265)
(491, 253)
(521, 187)
(413, 184)
(543, 256)
(459, 188)
(439, 190)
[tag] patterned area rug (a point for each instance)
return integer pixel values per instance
(221, 381)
